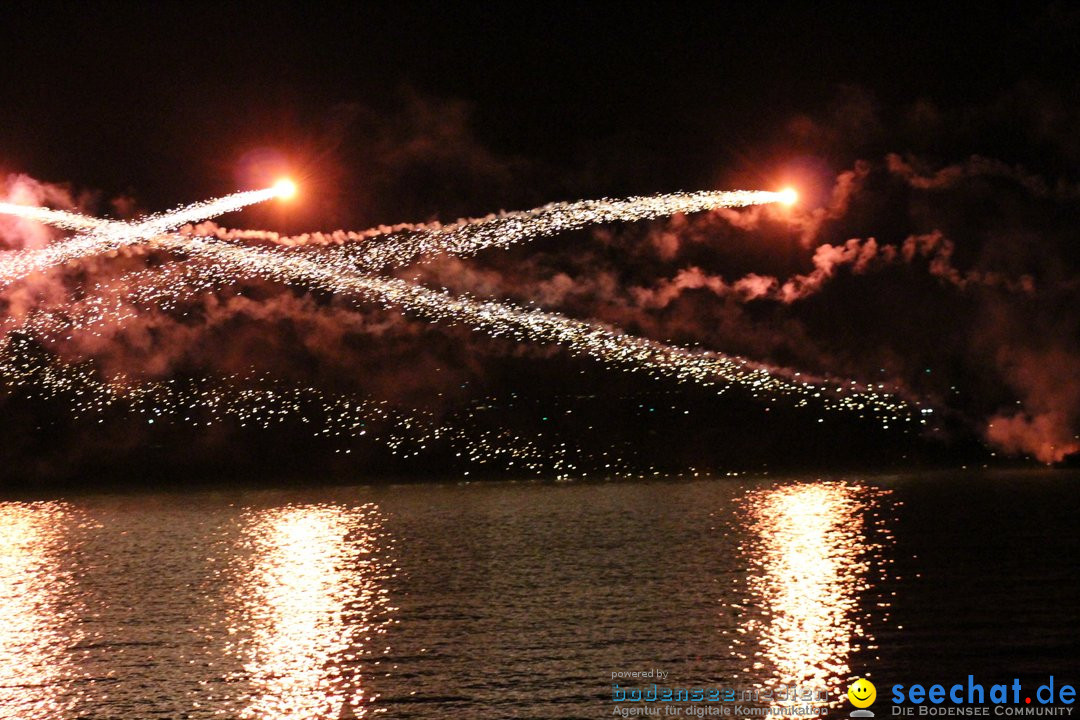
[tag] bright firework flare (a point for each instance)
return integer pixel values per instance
(788, 196)
(285, 188)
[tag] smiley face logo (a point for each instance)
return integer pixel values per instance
(862, 693)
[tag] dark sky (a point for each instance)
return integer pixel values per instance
(940, 140)
(157, 100)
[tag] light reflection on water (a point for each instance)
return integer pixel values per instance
(814, 552)
(118, 610)
(516, 600)
(311, 605)
(34, 663)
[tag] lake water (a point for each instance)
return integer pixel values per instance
(508, 600)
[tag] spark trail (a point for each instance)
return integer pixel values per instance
(336, 274)
(218, 262)
(98, 236)
(607, 344)
(399, 245)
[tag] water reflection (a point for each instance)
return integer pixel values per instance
(814, 553)
(313, 605)
(34, 661)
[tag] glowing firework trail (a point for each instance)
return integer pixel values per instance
(505, 320)
(47, 216)
(403, 244)
(336, 274)
(103, 235)
(400, 245)
(249, 400)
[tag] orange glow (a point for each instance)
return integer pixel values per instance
(285, 188)
(788, 196)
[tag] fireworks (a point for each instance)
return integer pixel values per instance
(98, 236)
(261, 402)
(533, 325)
(212, 262)
(389, 247)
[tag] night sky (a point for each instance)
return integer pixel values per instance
(934, 246)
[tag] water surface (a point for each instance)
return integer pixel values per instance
(522, 599)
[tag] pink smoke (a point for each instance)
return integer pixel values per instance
(1045, 427)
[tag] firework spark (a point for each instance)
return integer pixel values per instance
(399, 245)
(213, 262)
(262, 402)
(225, 263)
(497, 319)
(98, 236)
